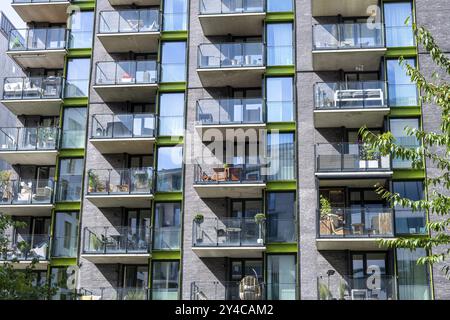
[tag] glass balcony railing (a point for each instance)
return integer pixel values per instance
(112, 126)
(24, 88)
(117, 240)
(231, 6)
(348, 36)
(351, 94)
(26, 191)
(364, 287)
(26, 247)
(403, 94)
(356, 222)
(228, 232)
(166, 238)
(129, 293)
(349, 157)
(164, 290)
(64, 246)
(280, 230)
(129, 21)
(231, 55)
(228, 174)
(126, 72)
(169, 180)
(37, 39)
(120, 181)
(233, 290)
(29, 139)
(230, 111)
(410, 222)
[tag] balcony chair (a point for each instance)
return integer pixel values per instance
(39, 251)
(42, 194)
(25, 192)
(220, 174)
(13, 90)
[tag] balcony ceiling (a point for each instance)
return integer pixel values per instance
(21, 265)
(139, 42)
(229, 252)
(242, 24)
(52, 12)
(125, 258)
(136, 2)
(210, 132)
(233, 77)
(121, 200)
(348, 244)
(346, 8)
(230, 190)
(35, 210)
(34, 107)
(48, 59)
(131, 92)
(350, 118)
(38, 158)
(348, 59)
(130, 146)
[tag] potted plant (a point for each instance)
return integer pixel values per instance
(198, 219)
(259, 220)
(324, 292)
(95, 185)
(326, 216)
(5, 184)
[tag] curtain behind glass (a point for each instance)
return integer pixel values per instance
(398, 34)
(281, 280)
(413, 282)
(284, 161)
(279, 44)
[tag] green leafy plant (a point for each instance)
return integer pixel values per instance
(199, 218)
(324, 292)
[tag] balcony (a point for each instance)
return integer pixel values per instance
(350, 104)
(231, 64)
(22, 249)
(29, 146)
(235, 17)
(233, 181)
(130, 30)
(117, 244)
(38, 47)
(51, 11)
(26, 197)
(350, 161)
(346, 8)
(353, 228)
(33, 95)
(120, 81)
(230, 113)
(231, 290)
(348, 46)
(228, 237)
(114, 293)
(373, 287)
(124, 133)
(129, 188)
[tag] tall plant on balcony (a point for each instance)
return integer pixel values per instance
(259, 220)
(18, 284)
(434, 149)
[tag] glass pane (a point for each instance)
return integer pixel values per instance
(70, 179)
(165, 280)
(175, 15)
(281, 152)
(171, 114)
(82, 26)
(281, 277)
(173, 62)
(279, 5)
(169, 176)
(167, 228)
(279, 44)
(74, 128)
(398, 34)
(65, 239)
(280, 99)
(77, 79)
(413, 279)
(402, 91)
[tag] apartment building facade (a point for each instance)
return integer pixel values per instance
(199, 150)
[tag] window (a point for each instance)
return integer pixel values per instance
(65, 238)
(398, 34)
(74, 127)
(167, 226)
(281, 279)
(402, 92)
(171, 111)
(175, 15)
(82, 26)
(279, 44)
(282, 156)
(70, 176)
(165, 280)
(135, 281)
(280, 99)
(280, 217)
(77, 78)
(62, 278)
(279, 5)
(413, 281)
(407, 221)
(173, 63)
(169, 174)
(397, 128)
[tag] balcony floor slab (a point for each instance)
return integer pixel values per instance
(231, 190)
(51, 12)
(36, 210)
(48, 59)
(237, 24)
(112, 258)
(38, 157)
(349, 244)
(33, 107)
(124, 145)
(230, 252)
(237, 77)
(121, 200)
(127, 92)
(350, 118)
(348, 59)
(139, 42)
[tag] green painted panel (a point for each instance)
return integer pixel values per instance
(166, 255)
(84, 5)
(174, 35)
(402, 51)
(172, 87)
(68, 153)
(61, 262)
(75, 102)
(281, 185)
(169, 140)
(408, 174)
(279, 16)
(280, 71)
(168, 196)
(405, 112)
(79, 53)
(281, 126)
(281, 248)
(68, 206)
